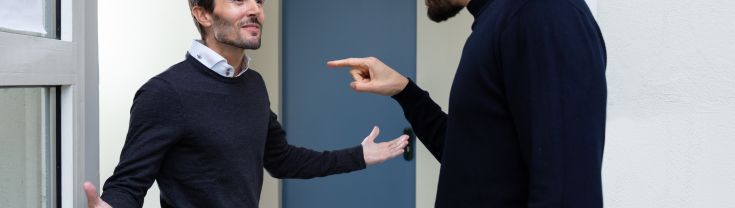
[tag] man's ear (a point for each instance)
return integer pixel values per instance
(203, 17)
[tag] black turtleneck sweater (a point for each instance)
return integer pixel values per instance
(206, 138)
(526, 122)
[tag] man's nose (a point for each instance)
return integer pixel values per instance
(253, 8)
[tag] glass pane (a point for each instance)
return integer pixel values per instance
(27, 147)
(31, 17)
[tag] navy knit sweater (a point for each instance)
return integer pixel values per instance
(206, 138)
(526, 122)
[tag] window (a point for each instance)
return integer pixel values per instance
(48, 102)
(31, 17)
(28, 146)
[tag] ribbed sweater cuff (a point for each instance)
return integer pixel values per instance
(357, 156)
(411, 94)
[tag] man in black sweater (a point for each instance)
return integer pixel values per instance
(526, 122)
(204, 129)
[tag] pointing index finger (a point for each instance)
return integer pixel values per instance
(348, 62)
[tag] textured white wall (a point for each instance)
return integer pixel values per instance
(138, 41)
(670, 106)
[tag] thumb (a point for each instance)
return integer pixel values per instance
(91, 192)
(361, 86)
(373, 134)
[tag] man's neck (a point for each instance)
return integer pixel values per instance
(232, 54)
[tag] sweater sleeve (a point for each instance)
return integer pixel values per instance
(426, 117)
(283, 160)
(553, 63)
(155, 120)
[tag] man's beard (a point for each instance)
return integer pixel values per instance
(223, 27)
(440, 10)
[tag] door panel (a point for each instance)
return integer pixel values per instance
(321, 111)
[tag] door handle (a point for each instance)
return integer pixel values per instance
(408, 151)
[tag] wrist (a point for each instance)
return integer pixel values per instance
(404, 83)
(401, 86)
(364, 156)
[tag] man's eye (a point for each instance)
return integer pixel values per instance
(260, 1)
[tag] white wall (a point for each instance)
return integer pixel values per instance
(138, 41)
(670, 106)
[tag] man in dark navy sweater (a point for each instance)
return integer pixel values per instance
(204, 129)
(526, 122)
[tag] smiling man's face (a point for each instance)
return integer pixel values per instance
(238, 23)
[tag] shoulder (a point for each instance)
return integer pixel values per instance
(181, 72)
(546, 17)
(164, 83)
(548, 10)
(176, 71)
(254, 73)
(156, 88)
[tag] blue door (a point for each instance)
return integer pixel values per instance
(320, 110)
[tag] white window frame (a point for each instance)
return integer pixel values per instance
(71, 63)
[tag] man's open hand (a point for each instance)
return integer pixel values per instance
(93, 199)
(375, 153)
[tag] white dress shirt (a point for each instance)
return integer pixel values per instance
(214, 61)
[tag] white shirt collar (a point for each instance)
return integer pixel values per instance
(214, 61)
